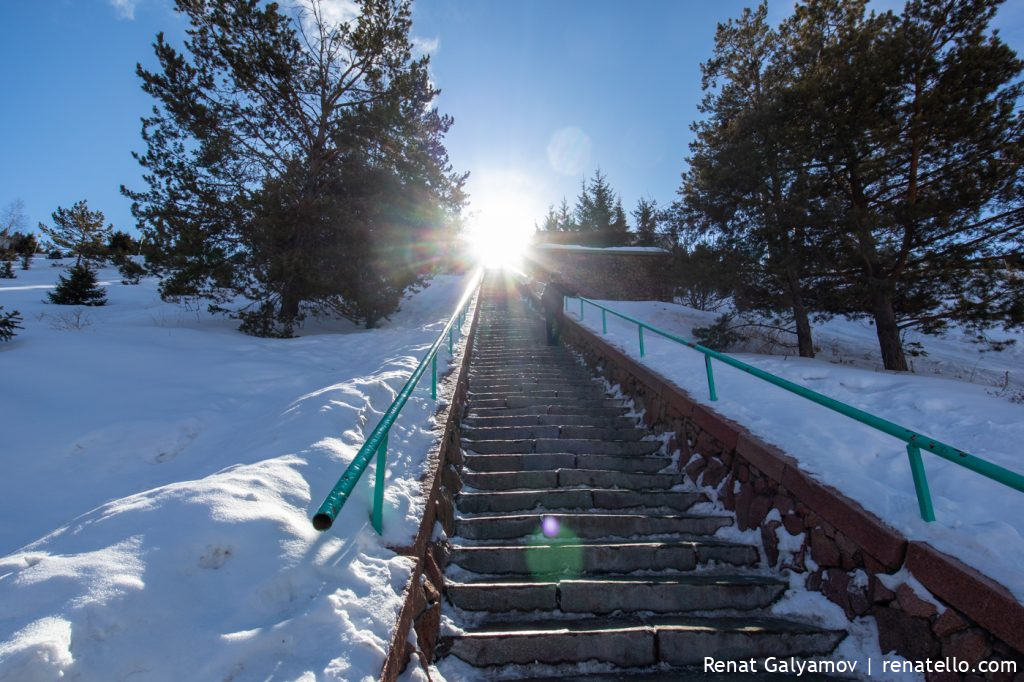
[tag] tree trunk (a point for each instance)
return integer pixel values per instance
(289, 306)
(888, 333)
(804, 340)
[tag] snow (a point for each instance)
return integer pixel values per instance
(978, 521)
(160, 471)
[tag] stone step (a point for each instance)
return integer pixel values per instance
(485, 433)
(550, 420)
(636, 643)
(592, 393)
(565, 379)
(658, 594)
(514, 372)
(587, 525)
(526, 364)
(578, 445)
(581, 558)
(547, 409)
(528, 461)
(569, 478)
(522, 356)
(588, 398)
(500, 386)
(574, 498)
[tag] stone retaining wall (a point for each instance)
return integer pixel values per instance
(847, 553)
(606, 274)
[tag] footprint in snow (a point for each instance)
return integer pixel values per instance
(215, 557)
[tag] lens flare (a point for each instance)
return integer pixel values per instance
(569, 151)
(549, 526)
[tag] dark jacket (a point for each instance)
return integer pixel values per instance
(553, 297)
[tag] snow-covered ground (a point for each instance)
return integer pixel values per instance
(159, 473)
(978, 520)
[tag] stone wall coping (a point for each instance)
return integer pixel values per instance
(964, 587)
(969, 591)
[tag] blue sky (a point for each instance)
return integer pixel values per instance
(542, 91)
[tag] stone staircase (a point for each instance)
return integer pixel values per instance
(574, 547)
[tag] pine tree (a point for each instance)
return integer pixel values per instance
(647, 217)
(749, 173)
(26, 261)
(131, 272)
(79, 288)
(9, 324)
(598, 215)
(919, 137)
(6, 270)
(317, 180)
(78, 230)
(120, 245)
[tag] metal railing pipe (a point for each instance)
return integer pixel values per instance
(376, 443)
(913, 438)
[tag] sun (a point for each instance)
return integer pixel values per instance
(500, 232)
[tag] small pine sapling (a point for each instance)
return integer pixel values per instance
(7, 270)
(26, 261)
(9, 324)
(79, 288)
(130, 271)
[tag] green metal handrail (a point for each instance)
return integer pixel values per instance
(915, 441)
(378, 439)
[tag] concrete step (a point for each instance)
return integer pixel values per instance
(587, 525)
(527, 461)
(484, 433)
(568, 478)
(550, 420)
(636, 643)
(556, 444)
(581, 558)
(547, 409)
(657, 594)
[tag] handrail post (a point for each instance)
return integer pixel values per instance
(604, 321)
(924, 495)
(711, 378)
(451, 344)
(433, 377)
(377, 516)
(581, 308)
(640, 333)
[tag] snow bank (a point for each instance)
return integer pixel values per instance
(160, 473)
(978, 520)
